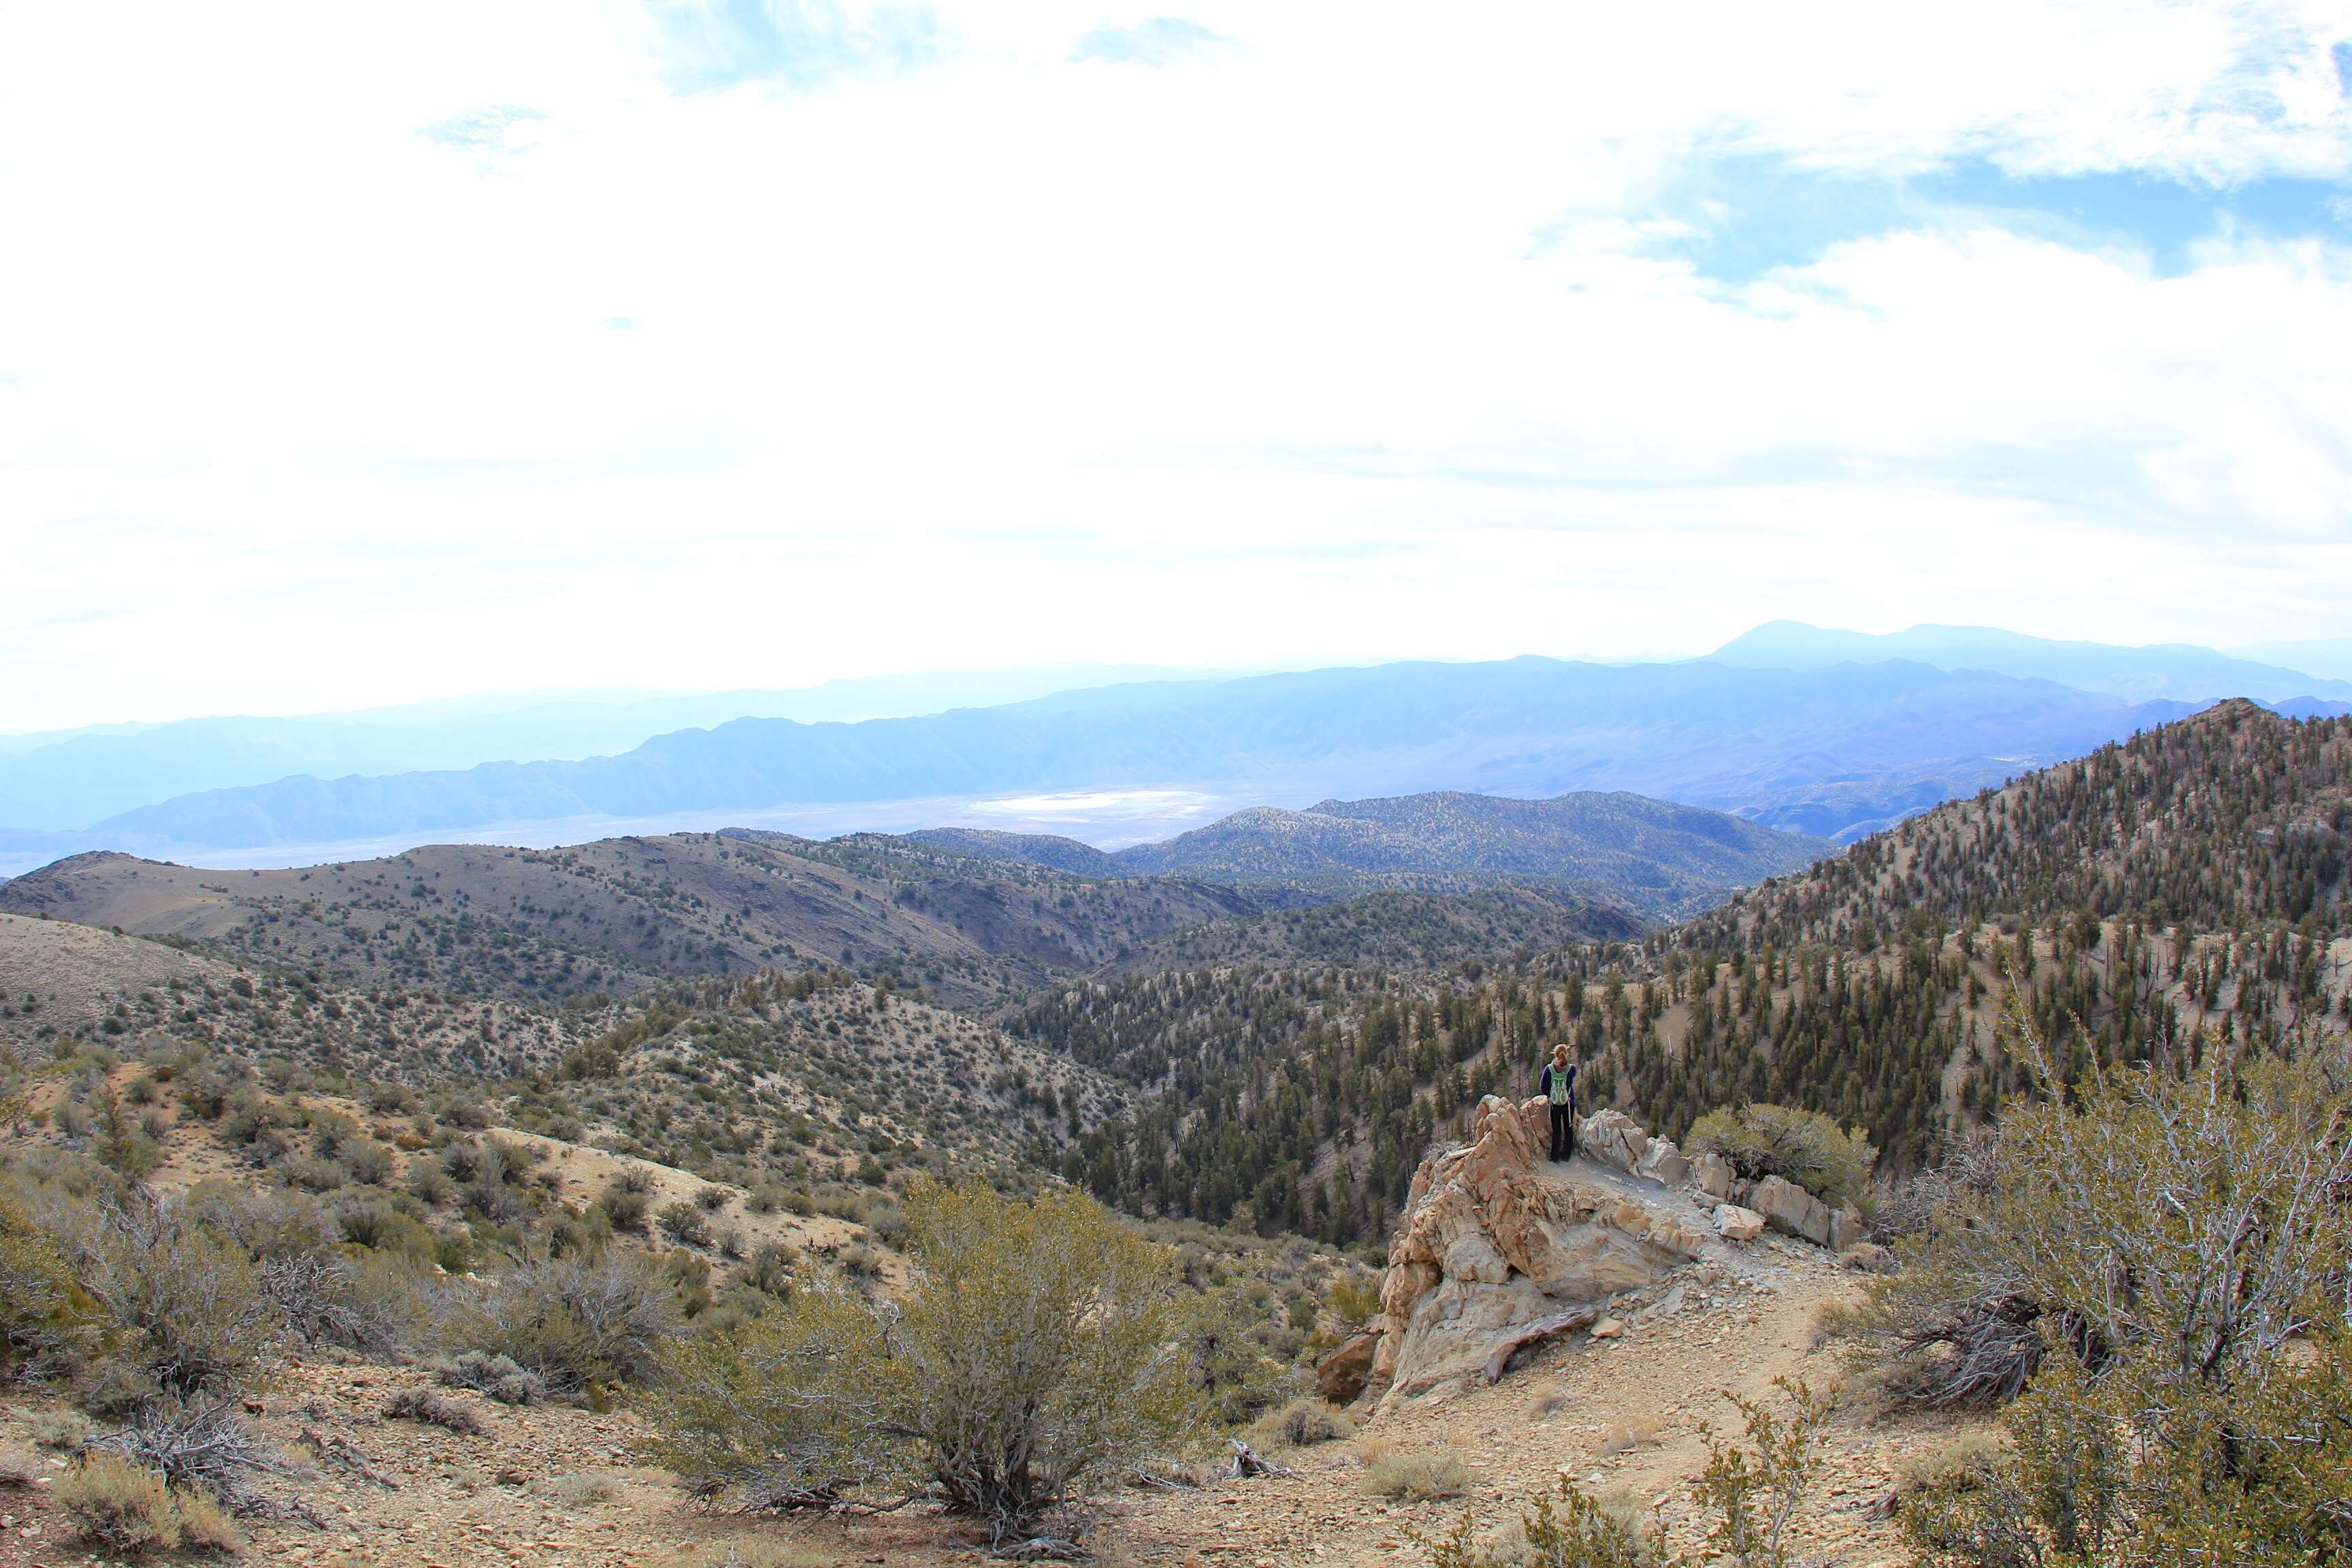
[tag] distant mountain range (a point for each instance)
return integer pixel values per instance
(1833, 752)
(2179, 671)
(1824, 732)
(77, 778)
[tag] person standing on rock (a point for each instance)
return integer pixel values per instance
(1559, 1087)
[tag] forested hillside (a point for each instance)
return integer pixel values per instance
(1650, 856)
(2186, 887)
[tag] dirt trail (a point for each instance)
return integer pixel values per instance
(1622, 1416)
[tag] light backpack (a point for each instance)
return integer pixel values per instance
(1563, 1085)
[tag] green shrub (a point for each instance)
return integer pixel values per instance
(626, 1204)
(44, 1313)
(1578, 1533)
(1802, 1146)
(188, 1305)
(575, 1322)
(769, 1268)
(2165, 1256)
(1754, 1492)
(683, 1224)
(1036, 1347)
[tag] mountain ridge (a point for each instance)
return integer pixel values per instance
(1835, 752)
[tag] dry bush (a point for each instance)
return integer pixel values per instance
(205, 1525)
(18, 1472)
(324, 1296)
(574, 1322)
(1627, 1436)
(1968, 1453)
(61, 1427)
(1301, 1424)
(584, 1489)
(435, 1409)
(495, 1375)
(1417, 1477)
(187, 1306)
(1551, 1401)
(119, 1506)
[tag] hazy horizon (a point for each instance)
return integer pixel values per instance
(685, 345)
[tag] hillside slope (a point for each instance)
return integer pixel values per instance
(1655, 855)
(2237, 816)
(622, 913)
(762, 1077)
(2148, 901)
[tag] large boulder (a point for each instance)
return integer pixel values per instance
(1790, 1209)
(1662, 1162)
(1614, 1138)
(1495, 1241)
(1736, 1223)
(1714, 1176)
(1340, 1375)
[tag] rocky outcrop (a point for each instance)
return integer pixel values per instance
(1497, 1240)
(1789, 1208)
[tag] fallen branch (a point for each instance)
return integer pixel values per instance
(1248, 1462)
(1041, 1549)
(343, 1454)
(209, 1447)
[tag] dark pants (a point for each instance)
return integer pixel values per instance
(1563, 1132)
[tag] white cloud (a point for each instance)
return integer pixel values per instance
(1359, 335)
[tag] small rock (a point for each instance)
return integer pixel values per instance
(1608, 1329)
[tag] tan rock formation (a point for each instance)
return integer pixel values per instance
(1495, 1239)
(1714, 1176)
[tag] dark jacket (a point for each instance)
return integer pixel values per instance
(1544, 1086)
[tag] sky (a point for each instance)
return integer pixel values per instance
(352, 356)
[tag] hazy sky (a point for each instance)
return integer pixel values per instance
(356, 355)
